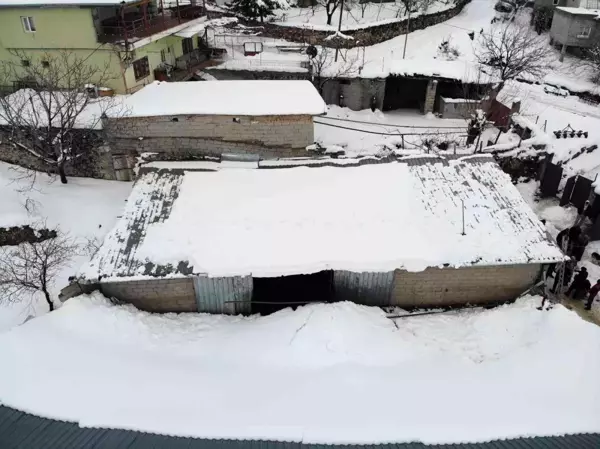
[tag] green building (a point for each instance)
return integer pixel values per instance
(137, 40)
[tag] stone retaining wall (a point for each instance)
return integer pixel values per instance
(362, 37)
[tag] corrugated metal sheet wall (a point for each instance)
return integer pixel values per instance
(212, 294)
(373, 289)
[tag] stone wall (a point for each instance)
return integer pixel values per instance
(154, 295)
(448, 286)
(362, 37)
(266, 136)
(98, 166)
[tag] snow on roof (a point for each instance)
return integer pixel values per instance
(273, 222)
(226, 98)
(579, 11)
(456, 70)
(31, 106)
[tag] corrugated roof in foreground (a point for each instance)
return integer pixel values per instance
(403, 214)
(19, 430)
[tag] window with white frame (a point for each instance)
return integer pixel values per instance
(28, 24)
(585, 32)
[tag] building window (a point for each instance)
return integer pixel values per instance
(25, 62)
(163, 55)
(585, 32)
(141, 68)
(28, 25)
(555, 2)
(45, 64)
(187, 45)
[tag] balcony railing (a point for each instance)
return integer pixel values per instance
(132, 27)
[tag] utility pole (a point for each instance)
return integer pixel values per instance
(406, 35)
(339, 28)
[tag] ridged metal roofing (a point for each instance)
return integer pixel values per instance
(19, 430)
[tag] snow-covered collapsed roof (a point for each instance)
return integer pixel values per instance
(33, 108)
(272, 222)
(226, 98)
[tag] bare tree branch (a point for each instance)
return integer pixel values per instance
(324, 68)
(54, 119)
(514, 50)
(31, 267)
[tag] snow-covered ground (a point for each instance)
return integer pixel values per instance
(324, 373)
(353, 17)
(559, 218)
(361, 133)
(84, 208)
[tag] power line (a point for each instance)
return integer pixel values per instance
(390, 124)
(384, 133)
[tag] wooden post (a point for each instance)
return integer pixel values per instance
(162, 9)
(406, 36)
(339, 29)
(462, 203)
(178, 13)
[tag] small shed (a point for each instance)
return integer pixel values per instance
(265, 119)
(200, 236)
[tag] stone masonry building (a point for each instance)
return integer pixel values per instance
(415, 232)
(262, 119)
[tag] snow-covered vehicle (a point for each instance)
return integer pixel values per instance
(556, 91)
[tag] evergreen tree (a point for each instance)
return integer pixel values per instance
(254, 9)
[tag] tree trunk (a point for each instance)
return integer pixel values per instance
(329, 17)
(48, 300)
(61, 172)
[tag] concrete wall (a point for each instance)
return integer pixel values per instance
(230, 74)
(432, 287)
(436, 287)
(156, 295)
(566, 27)
(267, 136)
(357, 93)
(457, 107)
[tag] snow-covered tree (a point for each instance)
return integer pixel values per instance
(50, 117)
(254, 9)
(330, 7)
(591, 59)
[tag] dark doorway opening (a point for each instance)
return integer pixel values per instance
(404, 93)
(272, 294)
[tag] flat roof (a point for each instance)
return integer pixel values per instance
(282, 221)
(253, 98)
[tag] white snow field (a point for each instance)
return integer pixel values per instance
(325, 373)
(84, 208)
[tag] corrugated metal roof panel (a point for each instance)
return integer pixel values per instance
(373, 289)
(20, 430)
(223, 295)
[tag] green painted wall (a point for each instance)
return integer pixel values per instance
(72, 29)
(55, 28)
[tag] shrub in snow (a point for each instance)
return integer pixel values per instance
(448, 51)
(254, 9)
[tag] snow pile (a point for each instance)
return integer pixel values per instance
(226, 98)
(200, 27)
(279, 221)
(338, 373)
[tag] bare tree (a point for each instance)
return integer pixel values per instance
(591, 60)
(330, 7)
(55, 118)
(324, 68)
(514, 50)
(33, 266)
(412, 7)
